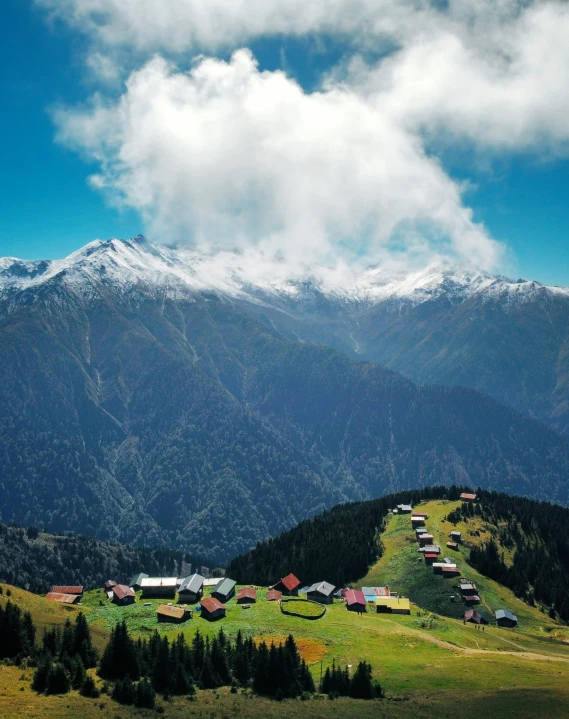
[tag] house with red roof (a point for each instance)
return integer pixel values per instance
(123, 595)
(288, 585)
(355, 600)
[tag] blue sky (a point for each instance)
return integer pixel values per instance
(48, 207)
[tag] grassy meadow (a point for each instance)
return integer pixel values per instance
(429, 663)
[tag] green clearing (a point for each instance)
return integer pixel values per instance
(429, 663)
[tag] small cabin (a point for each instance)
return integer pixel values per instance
(122, 595)
(355, 600)
(246, 595)
(505, 618)
(159, 586)
(430, 558)
(322, 592)
(191, 589)
(467, 497)
(224, 590)
(474, 617)
(404, 508)
(273, 595)
(288, 585)
(173, 614)
(68, 589)
(63, 598)
(456, 537)
(212, 609)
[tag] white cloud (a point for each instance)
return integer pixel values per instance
(229, 155)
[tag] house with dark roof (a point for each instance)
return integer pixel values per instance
(288, 585)
(173, 614)
(135, 582)
(474, 617)
(322, 592)
(190, 589)
(212, 609)
(505, 618)
(224, 590)
(246, 595)
(123, 595)
(404, 508)
(355, 600)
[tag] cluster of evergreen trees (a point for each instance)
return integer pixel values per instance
(35, 560)
(17, 632)
(353, 530)
(158, 665)
(63, 657)
(537, 534)
(337, 682)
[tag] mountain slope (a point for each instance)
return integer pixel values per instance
(138, 407)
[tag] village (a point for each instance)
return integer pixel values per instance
(200, 594)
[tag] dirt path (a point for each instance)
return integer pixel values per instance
(469, 650)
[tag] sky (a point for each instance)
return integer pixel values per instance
(358, 132)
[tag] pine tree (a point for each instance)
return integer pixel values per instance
(120, 658)
(82, 643)
(57, 680)
(145, 695)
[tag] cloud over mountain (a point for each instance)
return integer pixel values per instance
(226, 154)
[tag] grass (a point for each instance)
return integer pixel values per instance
(304, 608)
(429, 663)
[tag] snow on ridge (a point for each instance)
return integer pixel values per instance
(127, 264)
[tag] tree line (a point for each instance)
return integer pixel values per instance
(536, 532)
(339, 545)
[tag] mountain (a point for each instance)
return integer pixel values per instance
(148, 395)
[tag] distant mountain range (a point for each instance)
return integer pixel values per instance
(159, 396)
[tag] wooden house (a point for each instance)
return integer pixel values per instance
(224, 590)
(190, 589)
(392, 605)
(288, 585)
(467, 588)
(439, 566)
(63, 598)
(426, 538)
(419, 514)
(474, 617)
(246, 595)
(159, 586)
(505, 618)
(212, 609)
(467, 497)
(123, 595)
(456, 537)
(452, 545)
(430, 558)
(135, 582)
(404, 508)
(417, 521)
(273, 595)
(450, 571)
(355, 600)
(173, 614)
(68, 589)
(322, 592)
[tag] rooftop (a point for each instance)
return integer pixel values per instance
(211, 604)
(168, 610)
(192, 583)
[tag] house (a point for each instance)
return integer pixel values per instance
(420, 530)
(109, 584)
(471, 615)
(426, 538)
(450, 570)
(505, 618)
(212, 609)
(392, 605)
(471, 599)
(287, 585)
(417, 521)
(467, 588)
(430, 549)
(404, 508)
(63, 598)
(372, 593)
(159, 586)
(246, 595)
(78, 591)
(191, 589)
(419, 514)
(173, 614)
(430, 557)
(452, 545)
(466, 497)
(274, 595)
(135, 582)
(355, 600)
(224, 589)
(456, 537)
(211, 581)
(322, 592)
(123, 595)
(439, 566)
